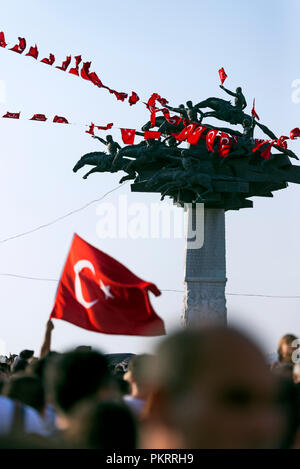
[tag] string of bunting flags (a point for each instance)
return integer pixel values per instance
(191, 133)
(84, 72)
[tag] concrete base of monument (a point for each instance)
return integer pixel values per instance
(205, 270)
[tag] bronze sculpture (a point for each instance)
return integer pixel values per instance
(202, 172)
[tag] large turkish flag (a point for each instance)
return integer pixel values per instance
(98, 293)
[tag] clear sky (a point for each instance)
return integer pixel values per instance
(174, 48)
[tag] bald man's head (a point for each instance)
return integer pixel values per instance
(214, 388)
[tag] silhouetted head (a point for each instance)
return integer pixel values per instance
(103, 425)
(28, 390)
(109, 138)
(239, 89)
(246, 123)
(26, 354)
(181, 106)
(213, 389)
(74, 376)
(189, 104)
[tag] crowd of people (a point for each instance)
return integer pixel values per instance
(208, 387)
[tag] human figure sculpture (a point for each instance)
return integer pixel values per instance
(112, 146)
(240, 102)
(189, 112)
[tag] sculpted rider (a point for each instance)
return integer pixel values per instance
(239, 99)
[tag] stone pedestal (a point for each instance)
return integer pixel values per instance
(205, 267)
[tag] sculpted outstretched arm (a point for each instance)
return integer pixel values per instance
(228, 91)
(100, 139)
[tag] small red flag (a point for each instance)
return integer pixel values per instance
(108, 126)
(156, 97)
(128, 136)
(133, 98)
(174, 120)
(222, 75)
(224, 145)
(75, 70)
(210, 138)
(120, 96)
(267, 152)
(19, 48)
(151, 134)
(2, 40)
(33, 52)
(39, 117)
(49, 61)
(259, 143)
(91, 129)
(253, 112)
(12, 115)
(281, 142)
(234, 139)
(187, 131)
(85, 70)
(99, 294)
(95, 79)
(295, 133)
(60, 120)
(65, 64)
(195, 136)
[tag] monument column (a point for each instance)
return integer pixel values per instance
(205, 266)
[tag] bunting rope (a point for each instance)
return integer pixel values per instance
(41, 279)
(192, 132)
(84, 73)
(62, 217)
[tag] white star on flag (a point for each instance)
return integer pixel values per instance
(105, 289)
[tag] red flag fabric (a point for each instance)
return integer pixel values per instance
(295, 133)
(33, 52)
(253, 112)
(49, 61)
(174, 120)
(234, 139)
(99, 294)
(120, 96)
(39, 117)
(19, 48)
(224, 145)
(12, 115)
(128, 136)
(210, 138)
(186, 132)
(108, 126)
(65, 64)
(91, 129)
(281, 142)
(75, 70)
(2, 40)
(95, 79)
(156, 97)
(60, 120)
(267, 152)
(198, 133)
(133, 98)
(222, 75)
(148, 134)
(85, 70)
(258, 143)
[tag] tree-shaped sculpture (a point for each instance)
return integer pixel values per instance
(221, 168)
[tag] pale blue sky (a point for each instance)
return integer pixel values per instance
(174, 48)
